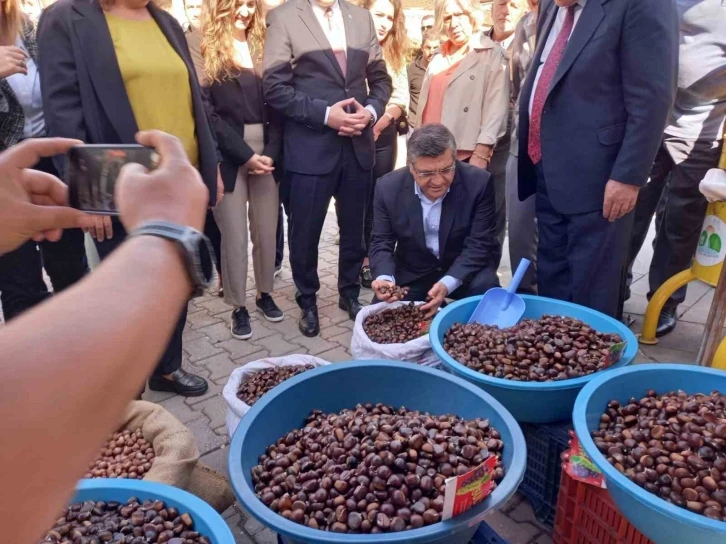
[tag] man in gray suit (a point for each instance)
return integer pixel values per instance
(592, 112)
(324, 71)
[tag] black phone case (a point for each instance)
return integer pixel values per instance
(92, 171)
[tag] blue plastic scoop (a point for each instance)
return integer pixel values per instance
(502, 307)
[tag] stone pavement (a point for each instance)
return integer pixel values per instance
(209, 350)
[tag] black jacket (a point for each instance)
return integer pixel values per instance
(228, 123)
(302, 78)
(467, 239)
(83, 91)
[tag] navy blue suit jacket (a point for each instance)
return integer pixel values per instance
(467, 238)
(608, 104)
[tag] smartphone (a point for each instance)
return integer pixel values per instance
(92, 171)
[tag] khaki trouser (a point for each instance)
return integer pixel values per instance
(258, 196)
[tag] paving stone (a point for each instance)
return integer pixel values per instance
(698, 313)
(201, 319)
(189, 335)
(335, 314)
(315, 345)
(335, 355)
(215, 409)
(685, 337)
(543, 539)
(666, 355)
(219, 366)
(266, 537)
(232, 512)
(522, 513)
(512, 503)
(200, 349)
(238, 348)
(636, 304)
(217, 459)
(180, 409)
(508, 529)
(333, 330)
(156, 396)
(252, 526)
(218, 332)
(222, 430)
(343, 339)
(278, 346)
(207, 439)
(215, 305)
(214, 390)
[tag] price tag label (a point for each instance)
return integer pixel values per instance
(467, 490)
(615, 353)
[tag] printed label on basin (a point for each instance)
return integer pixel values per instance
(579, 466)
(711, 247)
(615, 353)
(467, 490)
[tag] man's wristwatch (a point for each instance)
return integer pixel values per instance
(194, 246)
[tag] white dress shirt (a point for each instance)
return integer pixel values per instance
(27, 90)
(338, 24)
(551, 38)
(431, 223)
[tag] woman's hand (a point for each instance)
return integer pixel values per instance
(382, 124)
(479, 156)
(102, 228)
(259, 165)
(13, 60)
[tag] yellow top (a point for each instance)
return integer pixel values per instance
(156, 80)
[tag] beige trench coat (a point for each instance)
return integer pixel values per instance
(476, 102)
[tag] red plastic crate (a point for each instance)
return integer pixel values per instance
(587, 515)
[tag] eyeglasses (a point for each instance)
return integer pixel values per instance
(431, 174)
(426, 27)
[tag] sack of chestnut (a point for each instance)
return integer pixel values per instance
(394, 332)
(248, 383)
(151, 444)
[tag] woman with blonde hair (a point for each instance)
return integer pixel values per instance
(466, 87)
(390, 25)
(249, 138)
(21, 117)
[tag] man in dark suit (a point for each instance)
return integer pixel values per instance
(592, 112)
(324, 71)
(434, 224)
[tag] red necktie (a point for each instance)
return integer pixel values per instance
(336, 41)
(534, 145)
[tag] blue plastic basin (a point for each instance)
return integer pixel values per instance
(530, 402)
(335, 387)
(206, 520)
(662, 522)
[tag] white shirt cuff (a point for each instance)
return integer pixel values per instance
(451, 283)
(327, 113)
(373, 113)
(386, 278)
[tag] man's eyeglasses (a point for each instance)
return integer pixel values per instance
(424, 28)
(427, 175)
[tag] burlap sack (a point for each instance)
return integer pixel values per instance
(211, 486)
(174, 445)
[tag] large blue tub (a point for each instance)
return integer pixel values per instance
(335, 387)
(530, 402)
(206, 520)
(662, 522)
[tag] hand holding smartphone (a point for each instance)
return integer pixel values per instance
(92, 172)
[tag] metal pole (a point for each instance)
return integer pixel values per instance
(714, 323)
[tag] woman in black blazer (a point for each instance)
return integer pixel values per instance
(249, 136)
(109, 69)
(21, 117)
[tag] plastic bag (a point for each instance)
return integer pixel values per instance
(236, 408)
(414, 351)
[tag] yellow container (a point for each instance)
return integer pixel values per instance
(711, 249)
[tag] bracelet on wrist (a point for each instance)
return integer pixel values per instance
(480, 156)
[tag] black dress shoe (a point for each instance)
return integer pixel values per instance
(350, 305)
(666, 322)
(182, 383)
(309, 323)
(366, 278)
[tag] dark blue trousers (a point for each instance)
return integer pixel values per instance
(308, 205)
(580, 257)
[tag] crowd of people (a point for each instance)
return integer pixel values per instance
(565, 123)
